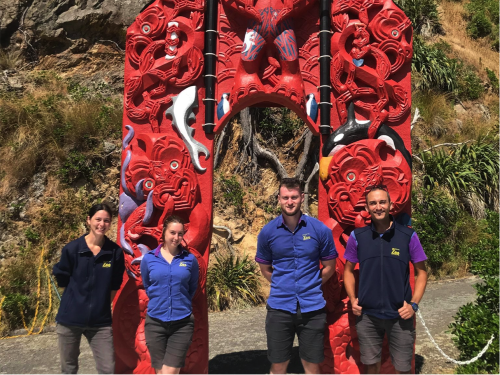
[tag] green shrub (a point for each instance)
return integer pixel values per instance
(479, 26)
(423, 14)
(432, 68)
(493, 80)
(232, 191)
(470, 86)
(280, 123)
(476, 322)
(78, 165)
(233, 281)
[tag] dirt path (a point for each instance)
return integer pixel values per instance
(238, 341)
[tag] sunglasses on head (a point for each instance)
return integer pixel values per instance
(375, 187)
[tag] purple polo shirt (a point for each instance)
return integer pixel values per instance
(295, 257)
(417, 253)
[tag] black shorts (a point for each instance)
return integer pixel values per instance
(281, 327)
(168, 342)
(400, 333)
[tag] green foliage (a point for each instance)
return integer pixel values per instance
(433, 69)
(423, 14)
(78, 165)
(31, 235)
(470, 86)
(232, 191)
(468, 169)
(476, 322)
(493, 80)
(280, 123)
(233, 281)
(482, 20)
(479, 26)
(434, 218)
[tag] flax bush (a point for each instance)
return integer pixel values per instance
(233, 281)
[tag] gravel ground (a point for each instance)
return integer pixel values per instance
(238, 340)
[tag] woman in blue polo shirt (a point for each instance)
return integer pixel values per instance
(91, 270)
(170, 277)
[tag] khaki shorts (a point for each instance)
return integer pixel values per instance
(401, 336)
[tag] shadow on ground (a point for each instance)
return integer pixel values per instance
(256, 362)
(419, 363)
(250, 362)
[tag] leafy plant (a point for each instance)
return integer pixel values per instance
(278, 123)
(423, 14)
(470, 86)
(232, 280)
(433, 69)
(232, 191)
(78, 165)
(493, 80)
(476, 322)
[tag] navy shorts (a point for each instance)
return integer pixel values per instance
(281, 327)
(168, 342)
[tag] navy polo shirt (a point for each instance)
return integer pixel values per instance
(295, 255)
(170, 286)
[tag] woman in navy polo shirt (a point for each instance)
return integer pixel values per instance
(91, 270)
(170, 277)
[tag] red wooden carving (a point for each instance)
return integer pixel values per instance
(267, 54)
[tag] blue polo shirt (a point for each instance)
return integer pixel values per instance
(295, 255)
(170, 286)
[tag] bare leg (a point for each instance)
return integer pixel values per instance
(373, 369)
(279, 368)
(310, 368)
(168, 370)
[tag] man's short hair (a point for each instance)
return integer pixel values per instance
(371, 188)
(291, 183)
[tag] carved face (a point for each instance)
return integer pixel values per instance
(290, 200)
(378, 205)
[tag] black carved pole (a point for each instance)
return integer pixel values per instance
(210, 64)
(324, 66)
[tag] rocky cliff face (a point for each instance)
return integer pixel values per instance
(52, 27)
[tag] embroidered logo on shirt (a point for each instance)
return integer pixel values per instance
(106, 265)
(395, 251)
(306, 236)
(183, 264)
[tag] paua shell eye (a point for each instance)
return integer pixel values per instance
(174, 165)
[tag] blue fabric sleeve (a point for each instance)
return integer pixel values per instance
(118, 269)
(145, 274)
(327, 246)
(63, 270)
(264, 254)
(193, 282)
(351, 249)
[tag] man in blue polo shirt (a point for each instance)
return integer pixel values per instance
(289, 251)
(385, 304)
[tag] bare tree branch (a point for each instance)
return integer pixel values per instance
(111, 41)
(299, 171)
(446, 144)
(230, 236)
(219, 143)
(416, 117)
(297, 141)
(306, 187)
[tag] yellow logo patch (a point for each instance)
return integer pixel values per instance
(395, 251)
(306, 236)
(183, 264)
(106, 265)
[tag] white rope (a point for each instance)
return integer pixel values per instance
(446, 356)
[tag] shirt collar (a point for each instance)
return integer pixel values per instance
(281, 222)
(84, 247)
(183, 251)
(390, 230)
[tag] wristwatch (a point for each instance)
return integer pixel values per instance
(414, 306)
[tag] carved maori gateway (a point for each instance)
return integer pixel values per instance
(191, 65)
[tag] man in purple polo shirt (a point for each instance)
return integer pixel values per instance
(289, 251)
(385, 303)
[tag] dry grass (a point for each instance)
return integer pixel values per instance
(477, 53)
(46, 123)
